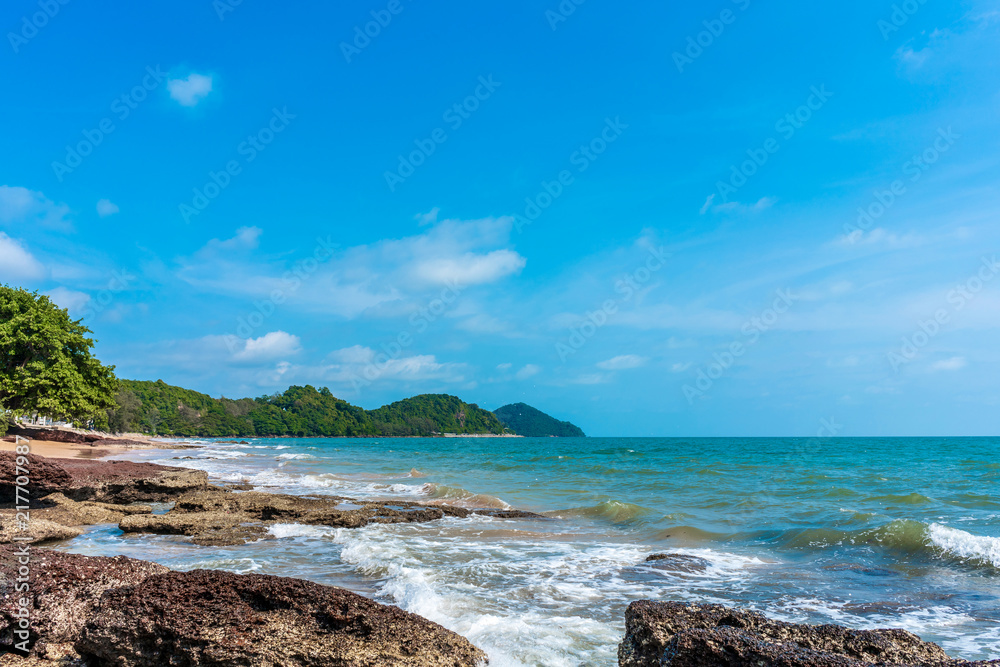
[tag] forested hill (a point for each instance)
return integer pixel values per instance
(533, 423)
(159, 408)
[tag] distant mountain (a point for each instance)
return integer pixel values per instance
(159, 408)
(525, 420)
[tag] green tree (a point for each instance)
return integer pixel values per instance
(122, 417)
(46, 365)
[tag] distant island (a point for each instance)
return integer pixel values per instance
(161, 409)
(533, 423)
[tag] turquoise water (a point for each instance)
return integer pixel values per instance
(863, 532)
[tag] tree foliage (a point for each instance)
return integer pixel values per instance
(530, 422)
(297, 412)
(46, 365)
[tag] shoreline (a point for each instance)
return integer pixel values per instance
(63, 443)
(205, 520)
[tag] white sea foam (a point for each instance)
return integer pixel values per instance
(237, 565)
(965, 545)
(286, 530)
(564, 599)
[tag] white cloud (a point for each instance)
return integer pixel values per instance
(681, 367)
(470, 269)
(504, 367)
(953, 364)
(623, 362)
(246, 238)
(528, 371)
(68, 299)
(362, 365)
(16, 263)
(389, 278)
(274, 345)
(188, 92)
(23, 207)
(736, 207)
(106, 207)
(707, 205)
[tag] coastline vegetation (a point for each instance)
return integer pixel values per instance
(533, 423)
(46, 365)
(161, 409)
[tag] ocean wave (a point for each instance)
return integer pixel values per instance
(453, 495)
(978, 548)
(286, 530)
(615, 511)
(909, 499)
(903, 536)
(690, 534)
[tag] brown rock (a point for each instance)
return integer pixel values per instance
(207, 528)
(217, 618)
(65, 588)
(44, 476)
(689, 635)
(124, 482)
(38, 529)
(678, 562)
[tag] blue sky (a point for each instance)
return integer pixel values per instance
(644, 219)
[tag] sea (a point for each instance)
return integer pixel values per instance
(862, 532)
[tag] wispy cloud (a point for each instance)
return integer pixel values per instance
(190, 90)
(623, 362)
(19, 205)
(106, 207)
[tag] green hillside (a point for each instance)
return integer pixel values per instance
(525, 420)
(162, 409)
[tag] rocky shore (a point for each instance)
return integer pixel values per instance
(131, 613)
(97, 611)
(676, 634)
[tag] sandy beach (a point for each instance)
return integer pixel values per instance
(109, 446)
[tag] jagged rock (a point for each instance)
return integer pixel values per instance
(61, 509)
(206, 528)
(125, 482)
(117, 482)
(322, 510)
(44, 476)
(691, 635)
(217, 618)
(65, 588)
(39, 530)
(678, 562)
